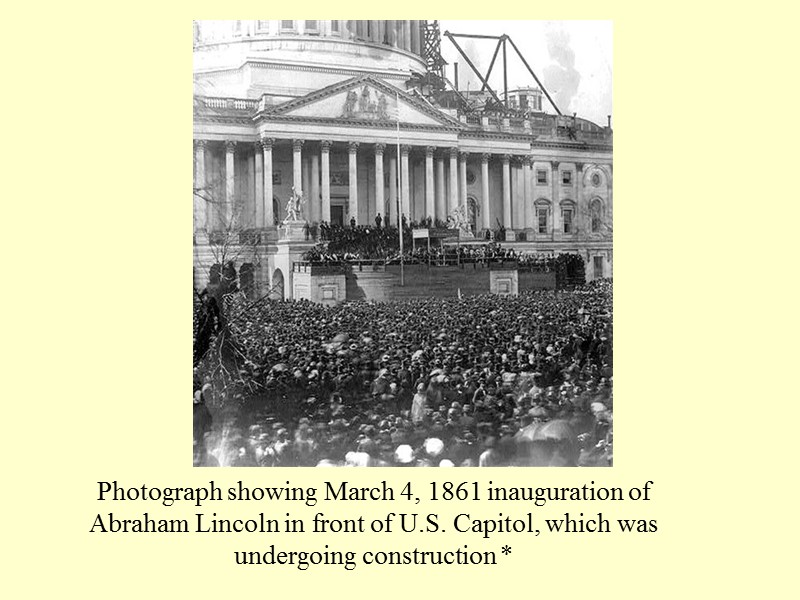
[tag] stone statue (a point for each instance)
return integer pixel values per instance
(383, 108)
(350, 103)
(294, 206)
(364, 101)
(458, 220)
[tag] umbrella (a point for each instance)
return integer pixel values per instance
(538, 412)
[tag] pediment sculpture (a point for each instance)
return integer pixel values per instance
(367, 104)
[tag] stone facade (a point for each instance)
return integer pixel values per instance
(315, 106)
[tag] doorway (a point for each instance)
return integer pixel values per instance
(337, 215)
(598, 267)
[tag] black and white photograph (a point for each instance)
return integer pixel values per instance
(402, 243)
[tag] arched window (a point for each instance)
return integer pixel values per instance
(596, 215)
(567, 216)
(276, 291)
(542, 212)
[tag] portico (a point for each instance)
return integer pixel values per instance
(341, 146)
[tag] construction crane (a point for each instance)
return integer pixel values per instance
(435, 63)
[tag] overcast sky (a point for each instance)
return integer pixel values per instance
(573, 60)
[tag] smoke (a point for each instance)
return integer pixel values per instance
(561, 78)
(466, 76)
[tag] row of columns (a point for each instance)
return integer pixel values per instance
(405, 35)
(434, 200)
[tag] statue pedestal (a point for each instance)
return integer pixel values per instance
(287, 252)
(293, 231)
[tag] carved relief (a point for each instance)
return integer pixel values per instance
(340, 178)
(368, 104)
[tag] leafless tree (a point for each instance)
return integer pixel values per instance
(221, 247)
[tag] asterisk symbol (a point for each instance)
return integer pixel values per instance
(506, 550)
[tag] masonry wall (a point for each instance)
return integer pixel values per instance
(328, 289)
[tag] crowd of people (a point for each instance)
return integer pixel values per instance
(365, 243)
(360, 243)
(479, 381)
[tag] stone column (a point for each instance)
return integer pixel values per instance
(517, 193)
(582, 218)
(269, 213)
(407, 35)
(462, 175)
(230, 149)
(314, 202)
(200, 191)
(453, 180)
(393, 189)
(556, 206)
(381, 26)
(305, 211)
(441, 203)
(485, 190)
(506, 191)
(259, 185)
(527, 182)
(415, 37)
(430, 207)
(297, 163)
(352, 200)
(405, 196)
(325, 148)
(392, 33)
(379, 181)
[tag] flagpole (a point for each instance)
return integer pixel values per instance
(399, 191)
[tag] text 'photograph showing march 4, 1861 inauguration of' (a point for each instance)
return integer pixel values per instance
(402, 243)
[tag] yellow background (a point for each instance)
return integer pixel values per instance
(96, 315)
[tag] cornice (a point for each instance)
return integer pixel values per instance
(228, 120)
(352, 123)
(497, 135)
(573, 146)
(265, 64)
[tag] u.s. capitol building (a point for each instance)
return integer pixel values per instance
(337, 111)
